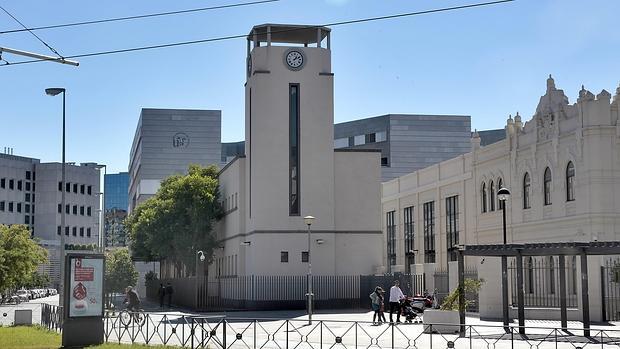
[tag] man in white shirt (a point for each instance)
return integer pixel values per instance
(395, 296)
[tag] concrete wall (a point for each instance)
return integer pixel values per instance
(267, 140)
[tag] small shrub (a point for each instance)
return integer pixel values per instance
(452, 301)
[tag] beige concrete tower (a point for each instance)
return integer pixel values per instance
(289, 115)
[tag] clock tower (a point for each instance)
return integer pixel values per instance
(289, 122)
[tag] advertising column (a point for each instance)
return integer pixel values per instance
(83, 313)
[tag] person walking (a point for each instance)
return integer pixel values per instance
(169, 292)
(382, 306)
(395, 296)
(376, 303)
(161, 292)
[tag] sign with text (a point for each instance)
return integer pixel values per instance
(85, 286)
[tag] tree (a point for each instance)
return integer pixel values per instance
(470, 286)
(119, 271)
(37, 280)
(19, 256)
(179, 220)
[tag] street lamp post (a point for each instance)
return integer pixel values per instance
(199, 255)
(308, 220)
(101, 239)
(502, 195)
(53, 92)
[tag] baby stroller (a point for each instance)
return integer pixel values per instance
(407, 310)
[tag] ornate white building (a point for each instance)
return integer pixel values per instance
(562, 168)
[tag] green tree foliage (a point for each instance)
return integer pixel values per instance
(179, 220)
(37, 280)
(119, 271)
(19, 256)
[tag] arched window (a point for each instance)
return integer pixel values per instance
(492, 196)
(570, 181)
(483, 197)
(500, 185)
(547, 186)
(526, 190)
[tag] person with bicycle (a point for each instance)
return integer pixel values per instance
(132, 299)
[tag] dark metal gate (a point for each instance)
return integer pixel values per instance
(610, 287)
(410, 284)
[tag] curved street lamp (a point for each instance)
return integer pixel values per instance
(54, 91)
(199, 255)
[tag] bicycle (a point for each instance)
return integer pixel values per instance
(127, 316)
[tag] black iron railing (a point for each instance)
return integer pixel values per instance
(51, 317)
(610, 286)
(541, 279)
(219, 332)
(229, 332)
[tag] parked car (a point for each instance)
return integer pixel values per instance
(23, 295)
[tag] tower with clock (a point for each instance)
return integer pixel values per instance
(289, 125)
(290, 169)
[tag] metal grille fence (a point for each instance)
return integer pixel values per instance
(277, 292)
(410, 284)
(610, 285)
(226, 333)
(282, 292)
(541, 280)
(443, 289)
(51, 317)
(219, 332)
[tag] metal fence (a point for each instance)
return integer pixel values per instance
(610, 286)
(442, 285)
(234, 332)
(282, 292)
(51, 317)
(230, 332)
(410, 284)
(541, 280)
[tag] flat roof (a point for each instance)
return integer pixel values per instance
(289, 33)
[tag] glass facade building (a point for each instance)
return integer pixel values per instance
(116, 187)
(116, 191)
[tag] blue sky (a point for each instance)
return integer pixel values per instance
(484, 62)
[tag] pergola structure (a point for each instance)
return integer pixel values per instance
(560, 249)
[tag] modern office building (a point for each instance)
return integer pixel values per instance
(30, 194)
(116, 187)
(407, 142)
(166, 142)
(291, 169)
(563, 171)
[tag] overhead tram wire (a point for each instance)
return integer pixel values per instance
(231, 37)
(30, 31)
(118, 19)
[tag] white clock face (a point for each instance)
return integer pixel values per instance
(295, 60)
